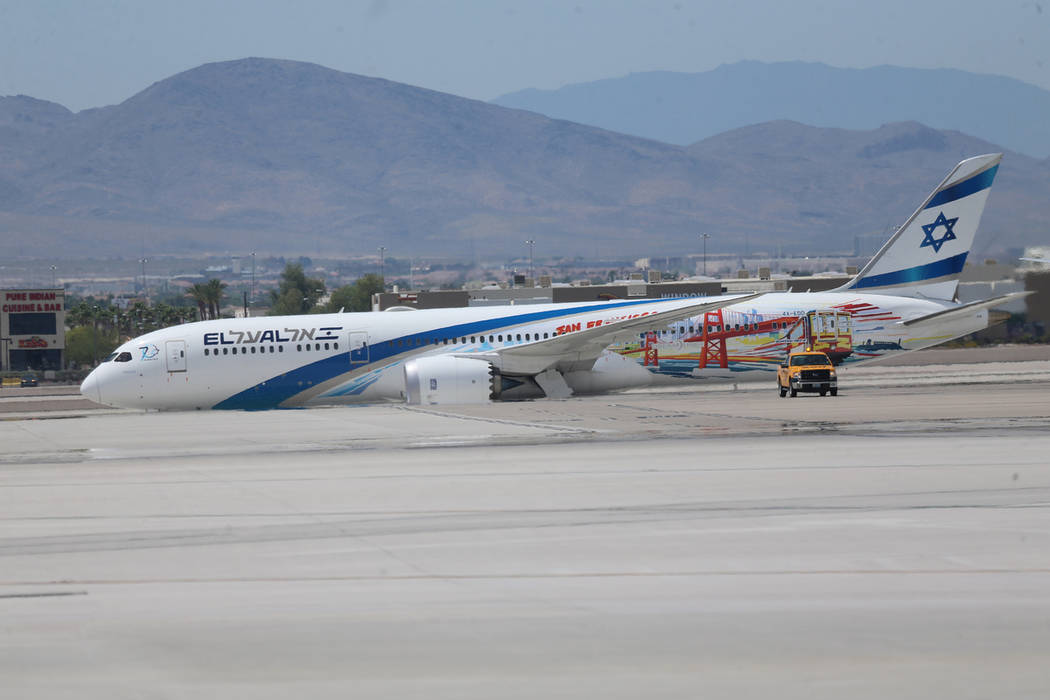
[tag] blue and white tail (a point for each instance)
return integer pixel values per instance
(925, 256)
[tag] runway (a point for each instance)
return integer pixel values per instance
(669, 543)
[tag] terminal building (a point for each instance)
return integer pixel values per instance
(32, 329)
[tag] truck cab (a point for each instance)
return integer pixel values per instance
(807, 371)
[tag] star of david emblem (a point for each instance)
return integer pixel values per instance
(928, 229)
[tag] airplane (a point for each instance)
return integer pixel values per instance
(901, 300)
(430, 356)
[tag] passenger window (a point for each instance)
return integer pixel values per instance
(298, 348)
(244, 351)
(326, 346)
(253, 349)
(335, 346)
(545, 336)
(280, 348)
(205, 352)
(472, 339)
(225, 351)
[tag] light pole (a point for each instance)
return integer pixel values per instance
(94, 334)
(382, 262)
(144, 261)
(53, 268)
(531, 275)
(705, 236)
(251, 290)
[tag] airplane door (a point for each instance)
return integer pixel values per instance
(175, 351)
(358, 348)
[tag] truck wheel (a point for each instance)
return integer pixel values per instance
(823, 392)
(794, 392)
(834, 392)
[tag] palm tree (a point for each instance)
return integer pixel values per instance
(215, 289)
(199, 293)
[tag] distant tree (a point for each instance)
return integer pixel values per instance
(215, 289)
(79, 314)
(85, 343)
(356, 296)
(208, 296)
(199, 293)
(296, 293)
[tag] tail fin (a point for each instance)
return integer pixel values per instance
(925, 256)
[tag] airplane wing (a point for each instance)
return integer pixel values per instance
(579, 347)
(965, 309)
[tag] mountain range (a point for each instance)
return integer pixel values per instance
(683, 108)
(286, 157)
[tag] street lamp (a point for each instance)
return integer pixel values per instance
(705, 236)
(382, 262)
(251, 294)
(94, 334)
(531, 275)
(53, 268)
(144, 261)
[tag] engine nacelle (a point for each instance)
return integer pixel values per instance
(451, 380)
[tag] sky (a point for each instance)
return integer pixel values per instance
(92, 53)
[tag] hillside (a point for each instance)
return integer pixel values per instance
(286, 157)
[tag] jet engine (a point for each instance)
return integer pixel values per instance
(451, 380)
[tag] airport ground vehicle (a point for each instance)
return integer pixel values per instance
(807, 371)
(29, 380)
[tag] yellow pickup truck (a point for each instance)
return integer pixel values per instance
(807, 371)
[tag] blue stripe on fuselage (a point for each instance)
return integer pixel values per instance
(980, 181)
(948, 266)
(276, 390)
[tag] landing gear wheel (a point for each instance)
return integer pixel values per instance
(794, 392)
(783, 391)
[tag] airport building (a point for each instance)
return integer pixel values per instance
(32, 329)
(628, 289)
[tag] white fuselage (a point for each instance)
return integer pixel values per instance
(292, 361)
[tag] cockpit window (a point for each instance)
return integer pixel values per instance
(110, 357)
(123, 357)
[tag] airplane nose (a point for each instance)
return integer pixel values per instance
(90, 387)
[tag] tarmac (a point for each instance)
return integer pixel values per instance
(678, 542)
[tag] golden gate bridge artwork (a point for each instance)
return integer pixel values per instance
(731, 340)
